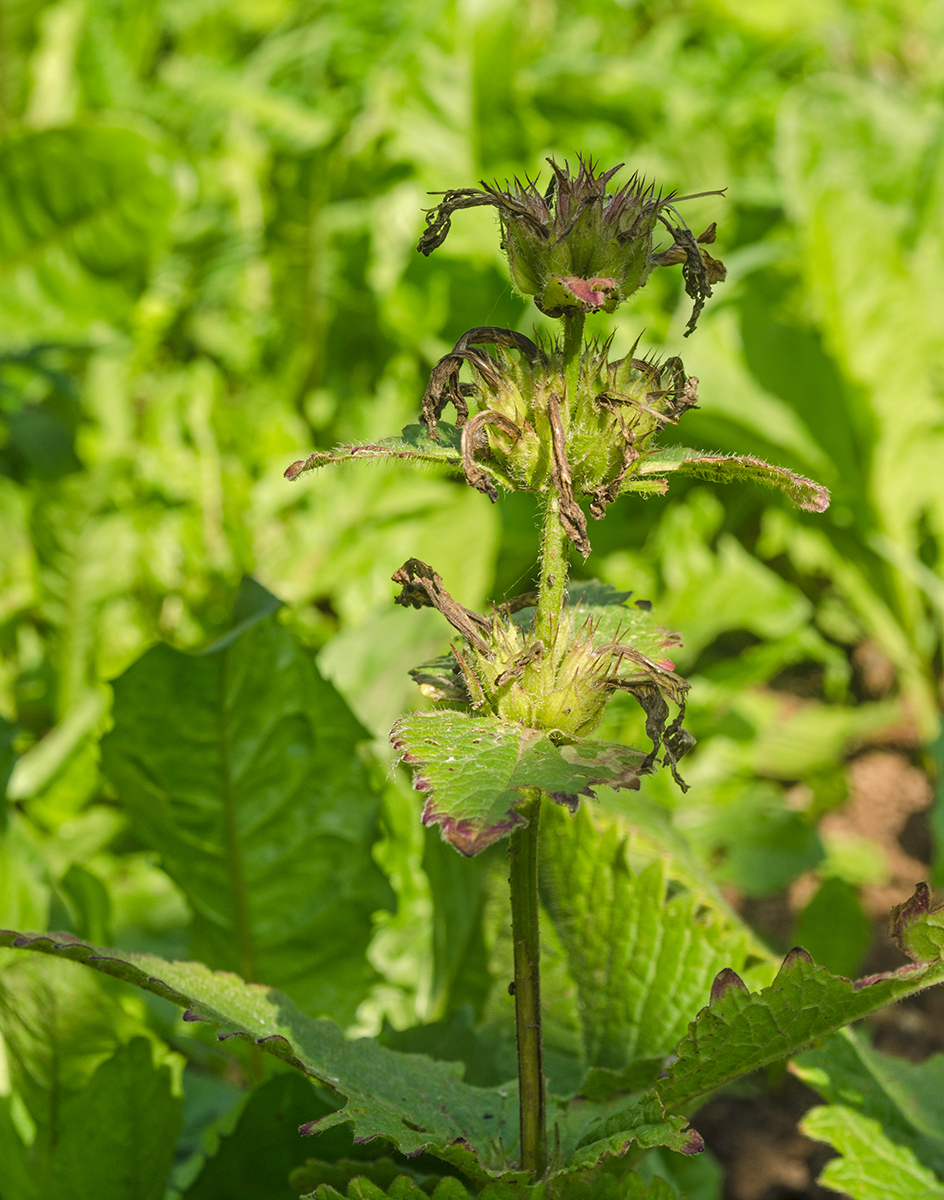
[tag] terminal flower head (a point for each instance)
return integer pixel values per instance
(579, 245)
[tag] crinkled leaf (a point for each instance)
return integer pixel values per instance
(366, 1187)
(591, 1132)
(872, 1166)
(415, 444)
(642, 956)
(475, 767)
(240, 767)
(412, 1101)
(740, 1031)
(725, 468)
(907, 1099)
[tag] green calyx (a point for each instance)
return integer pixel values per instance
(501, 668)
(611, 412)
(579, 246)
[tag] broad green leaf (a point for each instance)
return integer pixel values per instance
(240, 767)
(89, 902)
(739, 1031)
(723, 468)
(404, 1188)
(258, 1156)
(413, 1102)
(907, 1099)
(475, 767)
(872, 1167)
(642, 954)
(18, 1177)
(83, 208)
(59, 1024)
(461, 978)
(116, 1138)
(416, 444)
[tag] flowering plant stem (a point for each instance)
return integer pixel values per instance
(523, 878)
(523, 855)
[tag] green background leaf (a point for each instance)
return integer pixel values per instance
(240, 767)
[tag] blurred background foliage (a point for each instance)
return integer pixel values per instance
(208, 215)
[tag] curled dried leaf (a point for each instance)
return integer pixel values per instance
(473, 439)
(571, 514)
(444, 387)
(423, 588)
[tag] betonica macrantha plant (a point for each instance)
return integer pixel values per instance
(516, 701)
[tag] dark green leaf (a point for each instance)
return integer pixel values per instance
(411, 1101)
(7, 759)
(90, 903)
(834, 928)
(240, 767)
(255, 1160)
(906, 1098)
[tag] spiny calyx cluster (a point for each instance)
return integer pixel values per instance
(598, 646)
(579, 246)
(532, 431)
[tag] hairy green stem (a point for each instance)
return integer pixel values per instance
(523, 878)
(523, 873)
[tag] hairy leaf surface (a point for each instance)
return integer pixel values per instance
(642, 957)
(412, 1101)
(724, 468)
(739, 1031)
(475, 767)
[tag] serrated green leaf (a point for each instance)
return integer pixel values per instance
(413, 1102)
(83, 208)
(724, 468)
(872, 1167)
(907, 1099)
(740, 1031)
(415, 444)
(590, 1133)
(240, 767)
(642, 957)
(475, 767)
